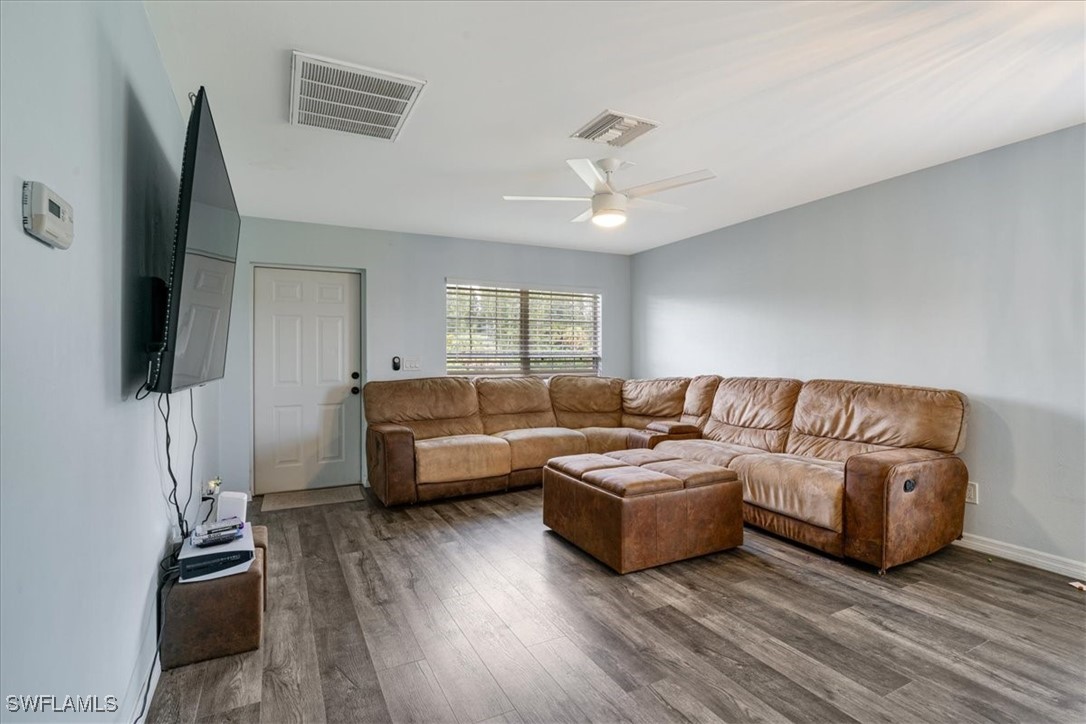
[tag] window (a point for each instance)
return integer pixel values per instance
(503, 331)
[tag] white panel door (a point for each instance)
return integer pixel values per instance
(306, 373)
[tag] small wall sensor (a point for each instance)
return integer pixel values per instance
(46, 216)
(396, 364)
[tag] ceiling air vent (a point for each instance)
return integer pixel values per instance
(350, 98)
(614, 128)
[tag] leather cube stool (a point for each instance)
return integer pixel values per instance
(635, 509)
(260, 540)
(208, 619)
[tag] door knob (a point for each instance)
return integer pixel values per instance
(354, 375)
(355, 390)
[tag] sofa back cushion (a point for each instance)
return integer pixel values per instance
(430, 406)
(659, 399)
(586, 401)
(514, 403)
(699, 399)
(753, 411)
(836, 419)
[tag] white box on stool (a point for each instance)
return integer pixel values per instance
(232, 505)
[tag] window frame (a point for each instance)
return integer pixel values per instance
(525, 357)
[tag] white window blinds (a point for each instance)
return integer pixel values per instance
(503, 331)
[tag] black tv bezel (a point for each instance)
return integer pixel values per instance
(160, 374)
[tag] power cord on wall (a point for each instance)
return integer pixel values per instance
(192, 459)
(169, 566)
(182, 524)
(168, 575)
(210, 508)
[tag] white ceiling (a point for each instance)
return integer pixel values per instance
(786, 102)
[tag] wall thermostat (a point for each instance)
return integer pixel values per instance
(46, 216)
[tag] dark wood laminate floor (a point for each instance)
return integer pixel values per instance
(472, 611)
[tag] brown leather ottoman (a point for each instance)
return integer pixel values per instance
(636, 509)
(223, 616)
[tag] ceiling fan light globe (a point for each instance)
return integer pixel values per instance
(608, 210)
(609, 219)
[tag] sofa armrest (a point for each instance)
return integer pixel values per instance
(644, 439)
(902, 504)
(390, 462)
(651, 438)
(674, 428)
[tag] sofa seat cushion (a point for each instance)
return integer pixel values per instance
(629, 481)
(533, 447)
(606, 439)
(461, 457)
(706, 451)
(804, 488)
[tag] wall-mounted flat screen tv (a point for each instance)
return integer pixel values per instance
(193, 309)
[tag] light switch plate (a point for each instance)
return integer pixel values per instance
(412, 363)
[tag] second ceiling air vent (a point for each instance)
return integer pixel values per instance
(350, 98)
(614, 128)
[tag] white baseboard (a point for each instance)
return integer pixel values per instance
(134, 709)
(148, 657)
(1020, 554)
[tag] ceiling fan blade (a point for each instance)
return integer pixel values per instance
(547, 198)
(589, 172)
(669, 183)
(637, 203)
(585, 216)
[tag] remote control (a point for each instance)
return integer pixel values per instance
(228, 524)
(216, 539)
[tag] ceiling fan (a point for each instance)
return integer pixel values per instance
(609, 204)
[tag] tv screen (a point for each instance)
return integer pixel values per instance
(201, 279)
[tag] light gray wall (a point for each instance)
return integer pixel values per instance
(404, 308)
(86, 108)
(967, 275)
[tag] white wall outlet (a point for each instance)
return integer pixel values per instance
(971, 495)
(211, 487)
(412, 363)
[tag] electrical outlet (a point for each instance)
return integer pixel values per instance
(971, 495)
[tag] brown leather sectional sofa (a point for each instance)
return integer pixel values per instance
(860, 470)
